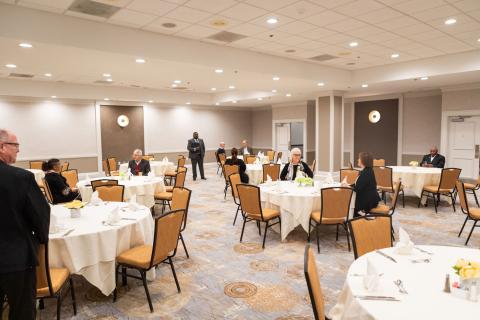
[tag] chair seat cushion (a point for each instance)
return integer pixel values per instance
(381, 208)
(267, 214)
(434, 189)
(169, 188)
(470, 186)
(58, 277)
(316, 216)
(114, 173)
(163, 196)
(388, 189)
(170, 173)
(474, 213)
(136, 257)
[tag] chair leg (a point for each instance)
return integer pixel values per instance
(475, 195)
(348, 236)
(124, 276)
(403, 198)
(435, 202)
(309, 229)
(116, 283)
(420, 200)
(144, 280)
(461, 230)
(59, 306)
(392, 232)
(471, 231)
(72, 291)
(174, 274)
(453, 202)
(337, 234)
(236, 214)
(183, 243)
(243, 228)
(318, 238)
(225, 192)
(264, 234)
(259, 230)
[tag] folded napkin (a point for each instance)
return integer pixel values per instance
(269, 179)
(329, 180)
(371, 279)
(279, 161)
(132, 203)
(257, 161)
(404, 244)
(344, 181)
(95, 199)
(165, 159)
(114, 216)
(151, 174)
(259, 154)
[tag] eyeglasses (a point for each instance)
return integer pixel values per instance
(15, 144)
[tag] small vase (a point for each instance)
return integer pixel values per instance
(75, 213)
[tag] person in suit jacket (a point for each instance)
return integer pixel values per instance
(365, 187)
(25, 220)
(196, 153)
(290, 170)
(434, 159)
(241, 165)
(61, 191)
(139, 165)
(245, 149)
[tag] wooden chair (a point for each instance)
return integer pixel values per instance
(446, 187)
(181, 201)
(65, 166)
(145, 257)
(227, 171)
(471, 188)
(173, 173)
(103, 182)
(271, 155)
(272, 170)
(313, 284)
(334, 210)
(181, 183)
(379, 162)
(37, 165)
(250, 159)
(71, 176)
(222, 157)
(251, 207)
(53, 282)
(235, 180)
(148, 157)
(389, 210)
(279, 156)
(384, 179)
(46, 189)
(166, 196)
(313, 166)
(105, 167)
(472, 213)
(112, 166)
(112, 193)
(350, 174)
(370, 233)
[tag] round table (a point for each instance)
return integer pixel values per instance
(294, 203)
(255, 173)
(424, 283)
(142, 187)
(39, 174)
(158, 167)
(415, 178)
(91, 248)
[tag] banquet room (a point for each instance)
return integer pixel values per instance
(239, 159)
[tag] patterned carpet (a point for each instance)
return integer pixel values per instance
(224, 279)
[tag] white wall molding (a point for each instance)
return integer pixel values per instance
(58, 156)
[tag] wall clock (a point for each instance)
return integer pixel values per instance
(123, 121)
(374, 116)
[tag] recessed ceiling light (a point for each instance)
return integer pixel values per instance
(109, 80)
(106, 99)
(217, 104)
(234, 101)
(395, 55)
(450, 21)
(177, 81)
(53, 97)
(231, 87)
(174, 85)
(218, 70)
(272, 20)
(353, 44)
(364, 85)
(140, 60)
(10, 65)
(25, 45)
(188, 103)
(107, 75)
(274, 90)
(276, 78)
(478, 39)
(424, 78)
(150, 101)
(320, 84)
(213, 89)
(288, 95)
(48, 75)
(260, 99)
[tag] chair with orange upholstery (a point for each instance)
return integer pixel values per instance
(37, 165)
(313, 284)
(171, 174)
(112, 166)
(71, 176)
(113, 193)
(271, 155)
(379, 162)
(227, 171)
(472, 188)
(472, 213)
(446, 187)
(181, 200)
(234, 179)
(384, 179)
(351, 175)
(166, 196)
(271, 170)
(370, 233)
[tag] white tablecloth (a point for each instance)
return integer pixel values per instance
(39, 174)
(415, 178)
(157, 167)
(294, 203)
(90, 250)
(424, 283)
(143, 188)
(255, 173)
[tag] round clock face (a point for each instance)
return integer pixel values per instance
(374, 116)
(123, 121)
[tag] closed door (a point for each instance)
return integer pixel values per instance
(282, 137)
(464, 141)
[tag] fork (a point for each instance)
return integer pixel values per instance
(400, 286)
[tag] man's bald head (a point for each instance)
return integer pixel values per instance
(9, 146)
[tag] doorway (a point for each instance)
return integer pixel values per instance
(464, 145)
(289, 134)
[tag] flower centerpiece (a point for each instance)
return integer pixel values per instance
(469, 278)
(413, 163)
(75, 207)
(304, 181)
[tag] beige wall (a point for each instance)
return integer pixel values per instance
(323, 137)
(467, 99)
(262, 128)
(295, 110)
(81, 164)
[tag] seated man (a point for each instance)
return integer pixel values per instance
(434, 159)
(138, 164)
(291, 169)
(221, 149)
(245, 149)
(59, 188)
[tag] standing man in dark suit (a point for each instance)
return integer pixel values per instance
(434, 159)
(245, 149)
(138, 165)
(25, 220)
(196, 152)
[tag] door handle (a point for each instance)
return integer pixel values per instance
(477, 151)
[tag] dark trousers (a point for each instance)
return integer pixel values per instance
(19, 288)
(198, 161)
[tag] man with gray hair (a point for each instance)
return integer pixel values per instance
(25, 220)
(434, 159)
(139, 166)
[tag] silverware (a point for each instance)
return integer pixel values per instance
(362, 275)
(400, 286)
(421, 260)
(386, 256)
(377, 298)
(133, 219)
(68, 232)
(424, 251)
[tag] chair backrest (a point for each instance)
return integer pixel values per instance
(180, 177)
(273, 170)
(462, 195)
(249, 196)
(71, 176)
(370, 233)
(448, 178)
(350, 174)
(165, 238)
(181, 162)
(314, 165)
(235, 180)
(250, 159)
(335, 202)
(313, 284)
(111, 192)
(271, 155)
(36, 165)
(112, 164)
(228, 170)
(103, 182)
(43, 269)
(65, 166)
(383, 176)
(397, 186)
(46, 188)
(379, 162)
(105, 167)
(181, 200)
(222, 157)
(279, 156)
(148, 157)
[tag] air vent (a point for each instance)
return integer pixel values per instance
(323, 57)
(20, 75)
(179, 88)
(103, 82)
(226, 36)
(94, 8)
(135, 86)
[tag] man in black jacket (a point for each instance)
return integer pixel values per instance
(434, 159)
(25, 220)
(139, 165)
(196, 152)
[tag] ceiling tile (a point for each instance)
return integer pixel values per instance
(398, 43)
(177, 1)
(327, 17)
(467, 5)
(196, 32)
(345, 25)
(158, 7)
(310, 45)
(435, 13)
(212, 6)
(219, 22)
(291, 40)
(364, 31)
(426, 35)
(358, 7)
(262, 21)
(244, 12)
(157, 25)
(330, 4)
(338, 38)
(318, 33)
(379, 37)
(413, 6)
(396, 23)
(414, 29)
(131, 18)
(247, 29)
(300, 10)
(84, 16)
(58, 6)
(475, 14)
(8, 1)
(296, 27)
(246, 43)
(115, 3)
(379, 15)
(188, 14)
(270, 5)
(376, 49)
(269, 46)
(273, 35)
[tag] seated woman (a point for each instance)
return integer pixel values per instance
(59, 188)
(290, 170)
(365, 187)
(241, 165)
